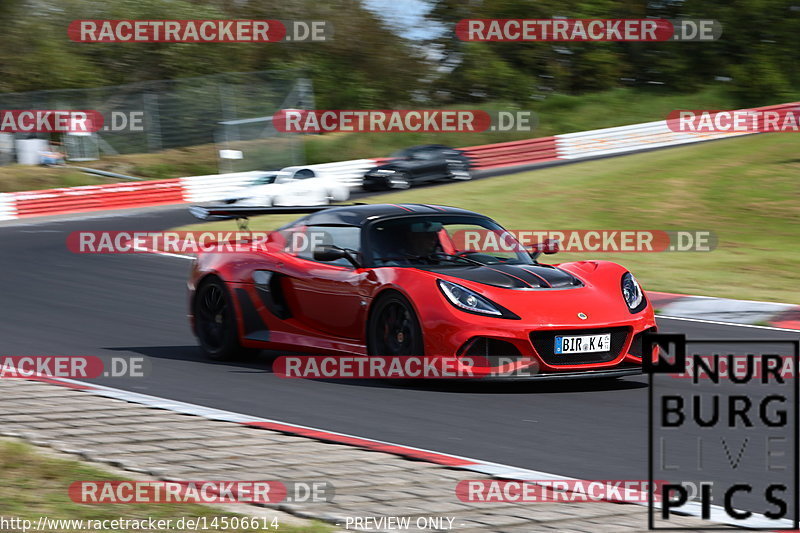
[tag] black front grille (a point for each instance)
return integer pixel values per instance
(544, 344)
(492, 352)
(636, 343)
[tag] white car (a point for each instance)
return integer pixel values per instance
(291, 186)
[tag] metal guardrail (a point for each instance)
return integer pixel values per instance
(107, 174)
(512, 153)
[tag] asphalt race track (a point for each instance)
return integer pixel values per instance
(57, 302)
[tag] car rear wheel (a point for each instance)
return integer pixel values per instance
(393, 328)
(215, 322)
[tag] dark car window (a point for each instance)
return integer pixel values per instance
(304, 174)
(427, 152)
(348, 237)
(442, 240)
(265, 180)
(427, 155)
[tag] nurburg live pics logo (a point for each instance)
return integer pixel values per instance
(741, 427)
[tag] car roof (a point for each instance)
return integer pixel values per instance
(431, 146)
(422, 147)
(358, 215)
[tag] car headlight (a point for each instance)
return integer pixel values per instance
(468, 300)
(632, 292)
(385, 171)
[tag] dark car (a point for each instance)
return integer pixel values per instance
(418, 164)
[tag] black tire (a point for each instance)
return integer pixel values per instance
(215, 322)
(393, 328)
(370, 185)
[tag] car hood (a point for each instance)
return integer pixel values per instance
(510, 276)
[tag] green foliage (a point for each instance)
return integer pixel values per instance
(757, 50)
(364, 65)
(367, 65)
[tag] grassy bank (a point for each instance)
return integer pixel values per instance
(556, 114)
(745, 190)
(33, 484)
(192, 161)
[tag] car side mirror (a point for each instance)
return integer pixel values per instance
(548, 247)
(329, 252)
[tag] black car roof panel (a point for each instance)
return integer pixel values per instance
(357, 215)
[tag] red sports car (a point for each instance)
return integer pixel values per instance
(391, 280)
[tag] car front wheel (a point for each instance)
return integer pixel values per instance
(393, 328)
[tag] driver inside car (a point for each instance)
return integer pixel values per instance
(415, 243)
(423, 244)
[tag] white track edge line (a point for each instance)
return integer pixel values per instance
(721, 323)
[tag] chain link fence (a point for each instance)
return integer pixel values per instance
(228, 113)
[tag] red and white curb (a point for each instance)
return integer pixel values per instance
(496, 470)
(8, 207)
(726, 311)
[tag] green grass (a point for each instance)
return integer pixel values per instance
(28, 178)
(33, 484)
(192, 161)
(746, 190)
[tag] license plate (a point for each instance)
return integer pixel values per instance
(583, 343)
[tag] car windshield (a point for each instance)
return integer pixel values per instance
(266, 179)
(443, 240)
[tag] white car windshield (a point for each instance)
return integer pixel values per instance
(265, 179)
